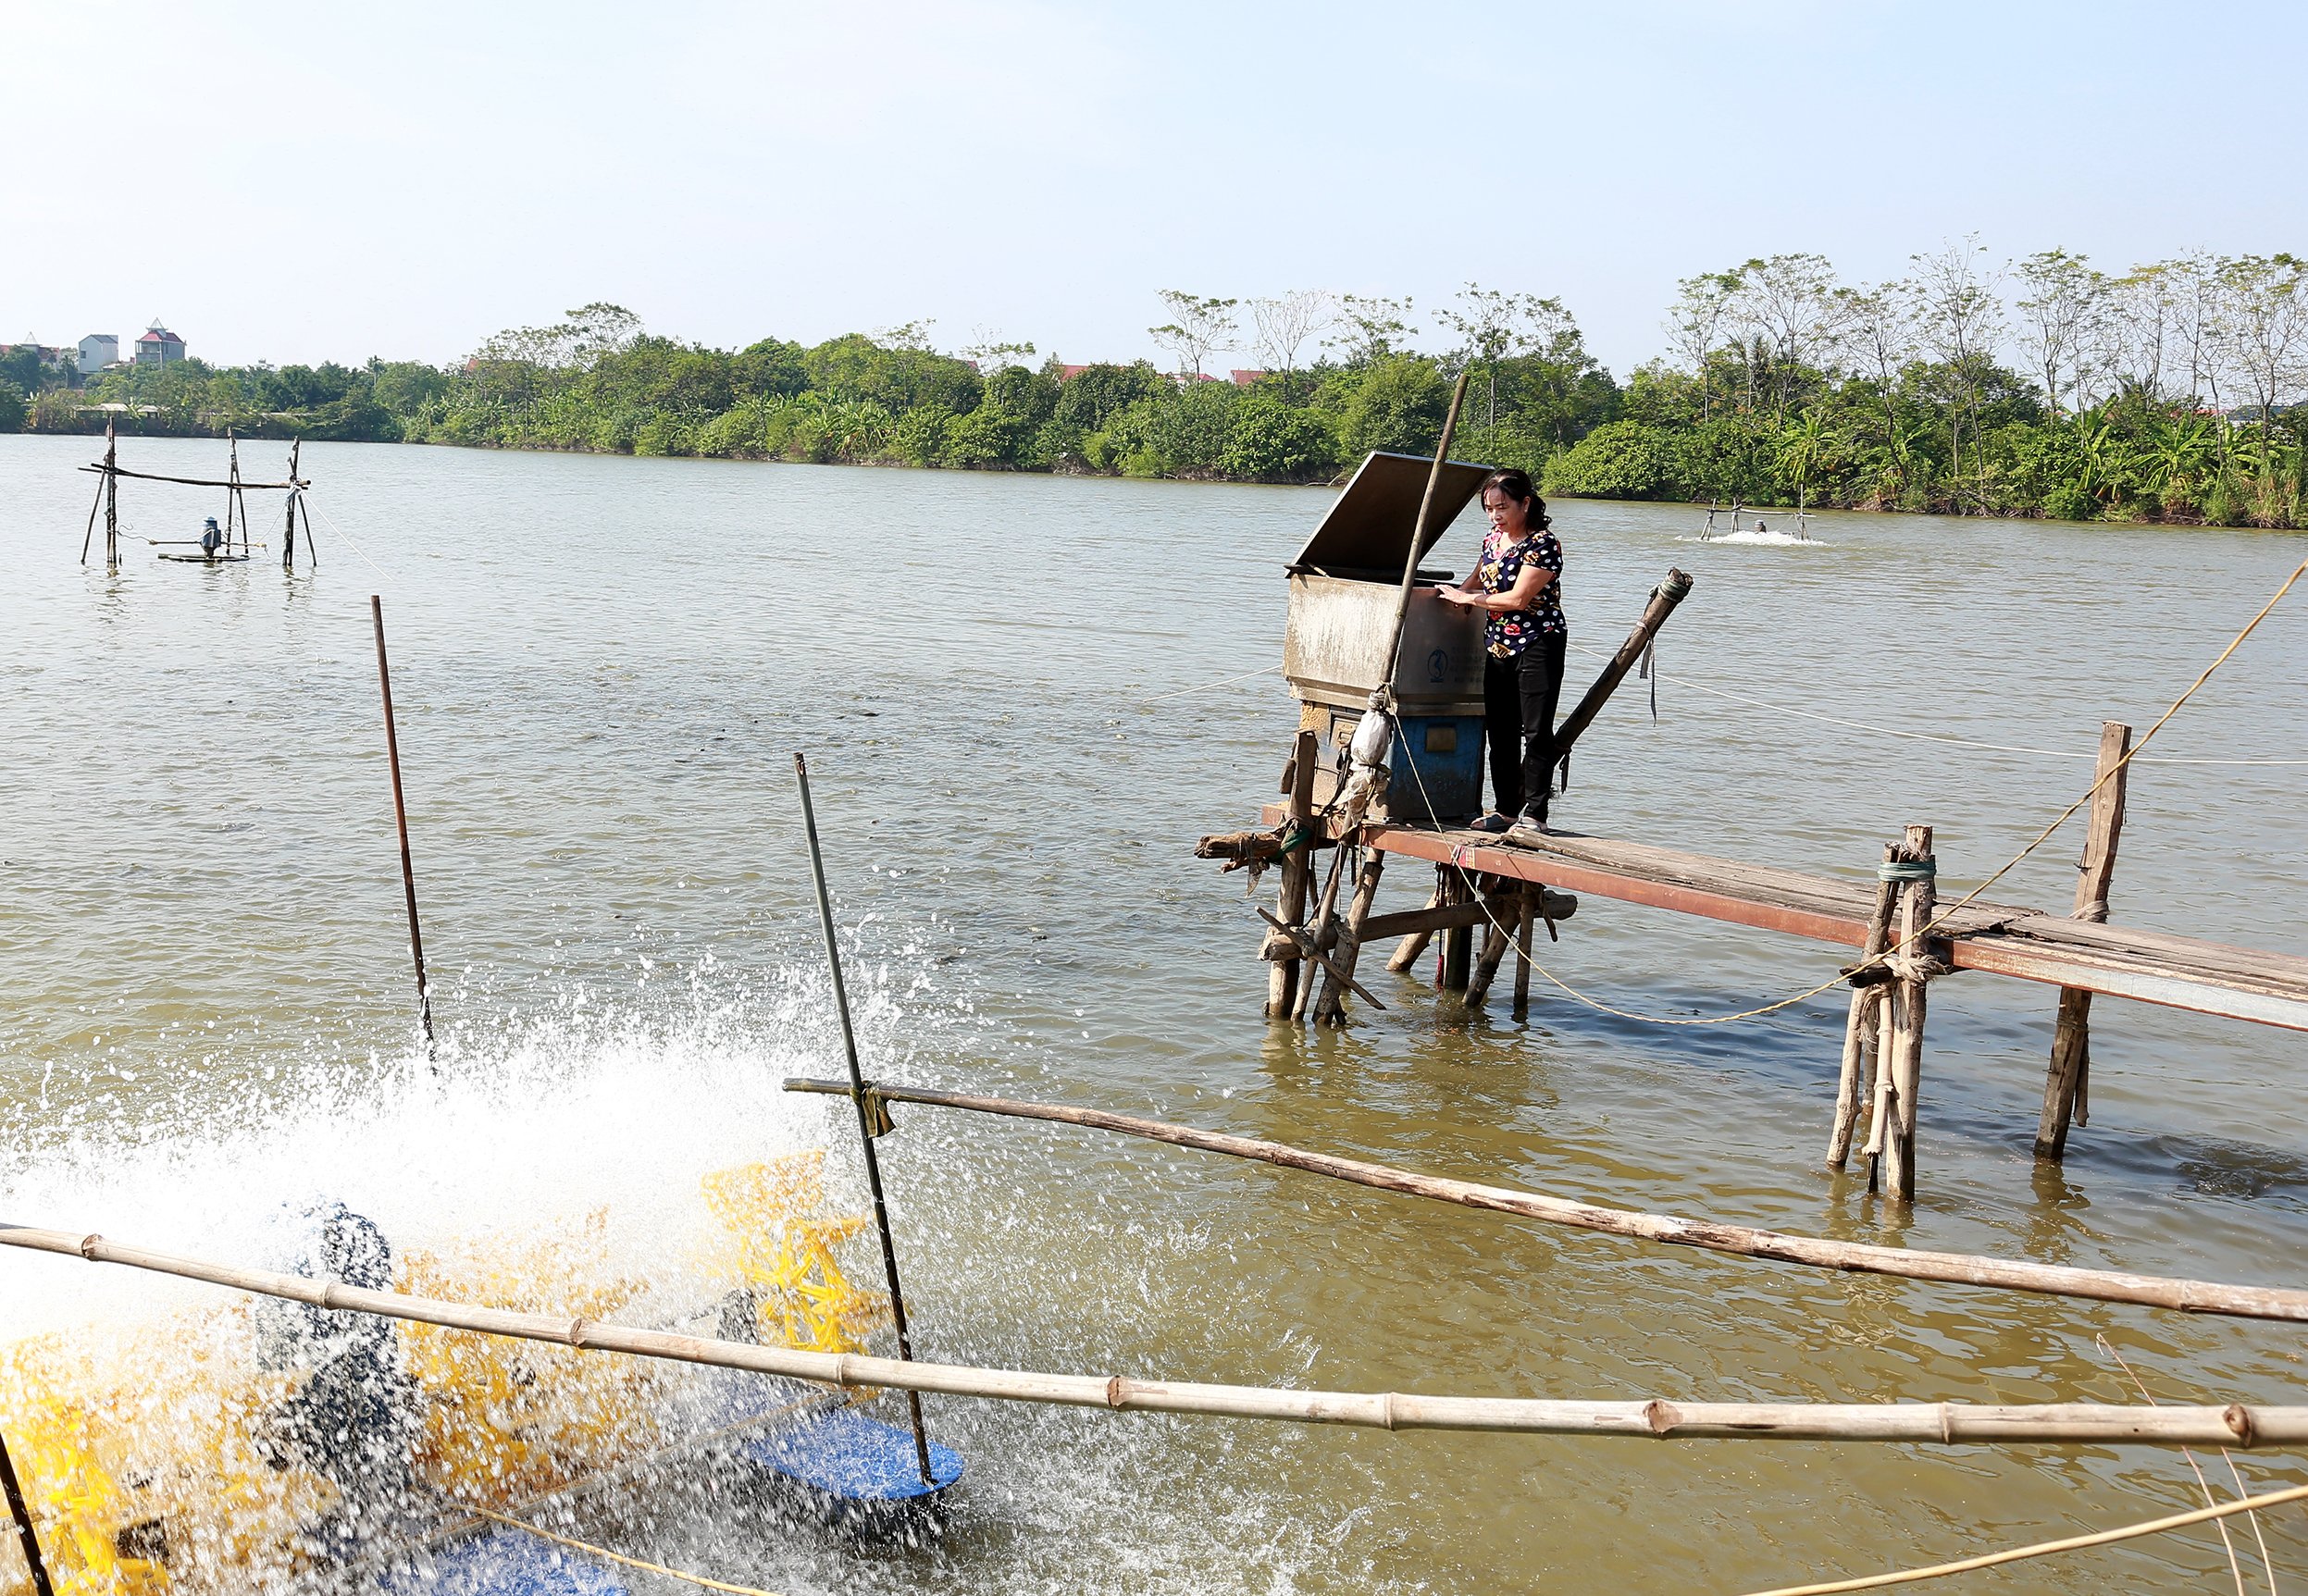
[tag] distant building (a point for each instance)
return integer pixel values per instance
(46, 353)
(1247, 378)
(1068, 373)
(99, 350)
(159, 346)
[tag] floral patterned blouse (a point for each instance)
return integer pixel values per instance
(1510, 633)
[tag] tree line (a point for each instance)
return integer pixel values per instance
(2041, 386)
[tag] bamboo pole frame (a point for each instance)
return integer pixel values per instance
(1710, 1235)
(2235, 1425)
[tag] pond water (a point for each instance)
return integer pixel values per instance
(1023, 698)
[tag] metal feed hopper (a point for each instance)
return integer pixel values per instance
(1343, 587)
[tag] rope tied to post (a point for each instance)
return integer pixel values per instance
(1908, 869)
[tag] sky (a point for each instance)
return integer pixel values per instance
(295, 183)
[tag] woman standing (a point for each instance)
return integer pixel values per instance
(1517, 583)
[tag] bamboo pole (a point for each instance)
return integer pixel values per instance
(1664, 597)
(95, 508)
(27, 1537)
(1389, 656)
(867, 1127)
(1859, 1030)
(181, 481)
(1338, 971)
(1951, 1424)
(2064, 1081)
(1710, 1235)
(1282, 981)
(1904, 1064)
(401, 824)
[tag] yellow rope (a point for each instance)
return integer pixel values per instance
(1945, 915)
(2045, 1547)
(616, 1556)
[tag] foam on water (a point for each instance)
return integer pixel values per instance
(1760, 539)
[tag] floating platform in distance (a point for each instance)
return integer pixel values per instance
(207, 559)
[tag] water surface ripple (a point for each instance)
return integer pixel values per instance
(601, 666)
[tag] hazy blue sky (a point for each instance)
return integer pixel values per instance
(295, 182)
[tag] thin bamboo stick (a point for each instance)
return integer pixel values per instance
(1742, 1241)
(27, 1538)
(1931, 1423)
(401, 824)
(2046, 1548)
(867, 1130)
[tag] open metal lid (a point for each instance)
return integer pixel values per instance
(1368, 527)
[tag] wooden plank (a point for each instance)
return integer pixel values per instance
(2143, 982)
(2147, 967)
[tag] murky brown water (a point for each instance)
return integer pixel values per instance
(603, 666)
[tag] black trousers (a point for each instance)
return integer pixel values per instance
(1519, 698)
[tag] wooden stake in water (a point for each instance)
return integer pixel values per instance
(401, 821)
(23, 1516)
(866, 1130)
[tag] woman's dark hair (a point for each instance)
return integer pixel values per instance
(1516, 485)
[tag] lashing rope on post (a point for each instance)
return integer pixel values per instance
(1944, 914)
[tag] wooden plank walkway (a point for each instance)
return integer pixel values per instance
(2147, 966)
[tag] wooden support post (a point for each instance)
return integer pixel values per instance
(1903, 1067)
(1325, 928)
(1282, 981)
(1458, 957)
(235, 507)
(1407, 952)
(112, 498)
(1532, 899)
(1331, 1009)
(2067, 1083)
(1861, 1029)
(288, 536)
(1498, 935)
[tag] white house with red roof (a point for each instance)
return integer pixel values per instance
(159, 346)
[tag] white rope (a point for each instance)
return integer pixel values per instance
(336, 529)
(1222, 682)
(1876, 730)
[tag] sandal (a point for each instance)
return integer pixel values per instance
(1493, 822)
